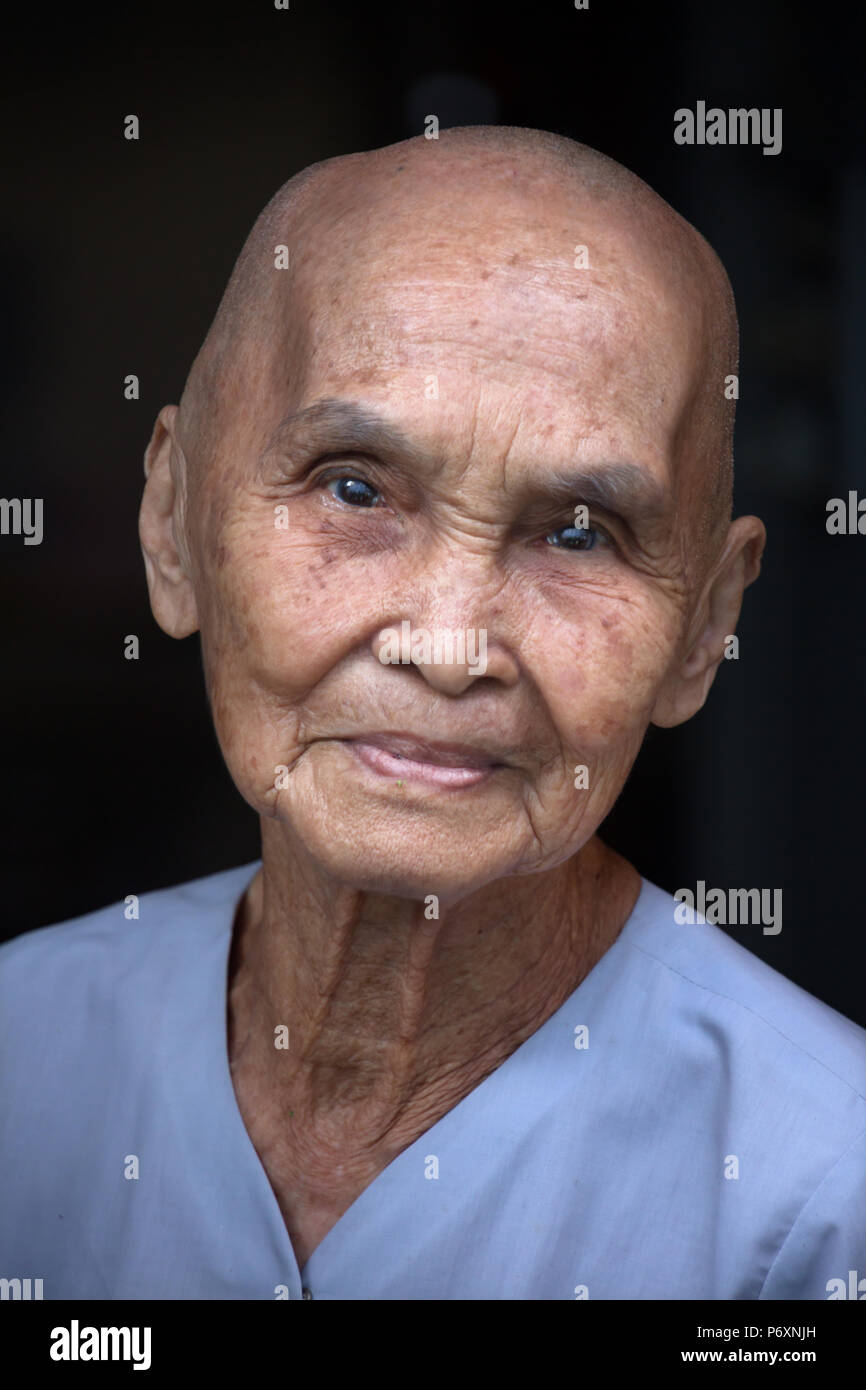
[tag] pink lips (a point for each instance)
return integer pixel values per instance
(410, 759)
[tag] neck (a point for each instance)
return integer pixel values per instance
(392, 1016)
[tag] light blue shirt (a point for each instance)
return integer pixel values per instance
(689, 1124)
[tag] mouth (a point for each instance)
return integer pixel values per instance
(406, 758)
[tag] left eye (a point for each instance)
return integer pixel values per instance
(355, 491)
(577, 537)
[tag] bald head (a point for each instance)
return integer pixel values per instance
(514, 210)
(486, 395)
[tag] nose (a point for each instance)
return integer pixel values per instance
(450, 659)
(451, 621)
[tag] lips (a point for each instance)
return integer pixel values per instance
(425, 751)
(408, 759)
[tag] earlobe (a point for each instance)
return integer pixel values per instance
(684, 694)
(161, 527)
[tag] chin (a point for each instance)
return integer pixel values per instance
(371, 856)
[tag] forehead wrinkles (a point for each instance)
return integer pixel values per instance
(515, 286)
(521, 321)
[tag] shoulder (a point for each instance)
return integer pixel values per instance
(760, 1084)
(52, 966)
(750, 1008)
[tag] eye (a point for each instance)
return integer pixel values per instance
(354, 491)
(579, 537)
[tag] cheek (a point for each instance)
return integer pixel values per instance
(602, 693)
(273, 615)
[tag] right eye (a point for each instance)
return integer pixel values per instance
(354, 491)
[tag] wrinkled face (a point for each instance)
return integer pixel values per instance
(399, 480)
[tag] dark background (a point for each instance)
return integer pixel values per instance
(115, 254)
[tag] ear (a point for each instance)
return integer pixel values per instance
(688, 682)
(161, 529)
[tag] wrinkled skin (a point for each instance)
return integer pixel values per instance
(399, 277)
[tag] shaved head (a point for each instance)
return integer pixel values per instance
(467, 388)
(508, 205)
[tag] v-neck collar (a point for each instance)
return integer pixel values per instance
(528, 1083)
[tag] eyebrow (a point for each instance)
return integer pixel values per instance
(623, 489)
(344, 425)
(338, 426)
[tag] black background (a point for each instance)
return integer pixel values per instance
(115, 254)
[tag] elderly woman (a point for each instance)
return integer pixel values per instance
(441, 1042)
